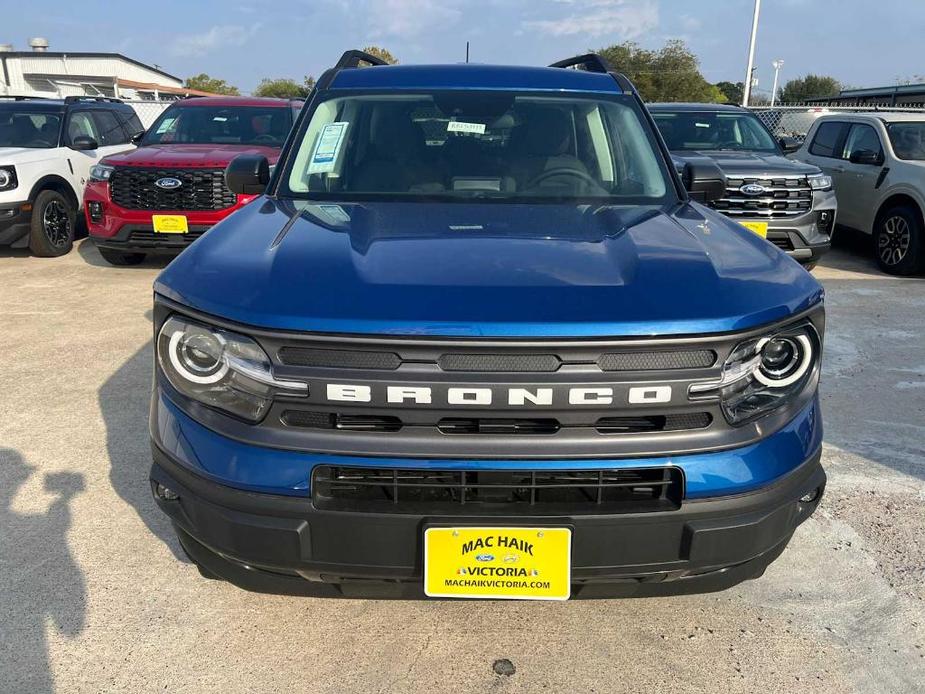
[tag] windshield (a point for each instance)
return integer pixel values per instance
(221, 125)
(713, 130)
(908, 140)
(23, 128)
(464, 145)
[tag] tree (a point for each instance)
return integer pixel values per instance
(733, 91)
(285, 88)
(382, 54)
(809, 87)
(205, 83)
(671, 73)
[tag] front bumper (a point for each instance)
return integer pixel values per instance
(273, 543)
(15, 222)
(805, 238)
(132, 230)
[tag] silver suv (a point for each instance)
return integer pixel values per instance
(877, 161)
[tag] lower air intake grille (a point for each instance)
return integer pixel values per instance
(654, 423)
(395, 490)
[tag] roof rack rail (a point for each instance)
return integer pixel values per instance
(350, 59)
(107, 99)
(24, 97)
(591, 62)
(354, 58)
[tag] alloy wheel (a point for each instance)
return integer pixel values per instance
(56, 223)
(895, 240)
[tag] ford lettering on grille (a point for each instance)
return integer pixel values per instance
(753, 189)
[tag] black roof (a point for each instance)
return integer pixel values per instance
(691, 107)
(80, 54)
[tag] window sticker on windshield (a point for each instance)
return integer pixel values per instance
(335, 212)
(328, 147)
(458, 126)
(702, 125)
(165, 125)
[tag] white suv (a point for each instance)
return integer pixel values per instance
(877, 163)
(47, 147)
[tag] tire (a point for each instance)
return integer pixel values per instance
(54, 219)
(809, 267)
(119, 258)
(899, 241)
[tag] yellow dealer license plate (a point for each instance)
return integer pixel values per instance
(760, 228)
(507, 563)
(169, 223)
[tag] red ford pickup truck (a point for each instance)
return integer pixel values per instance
(169, 191)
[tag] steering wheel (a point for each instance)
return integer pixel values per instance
(562, 171)
(731, 144)
(264, 137)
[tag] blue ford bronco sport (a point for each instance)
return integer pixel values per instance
(479, 338)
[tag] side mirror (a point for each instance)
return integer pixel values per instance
(866, 157)
(84, 143)
(136, 138)
(248, 174)
(704, 181)
(788, 144)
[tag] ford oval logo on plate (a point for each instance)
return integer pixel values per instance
(752, 189)
(169, 183)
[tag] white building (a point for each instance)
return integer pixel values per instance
(43, 73)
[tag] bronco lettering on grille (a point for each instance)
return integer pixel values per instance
(483, 397)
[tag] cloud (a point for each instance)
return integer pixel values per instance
(689, 23)
(219, 36)
(628, 19)
(410, 18)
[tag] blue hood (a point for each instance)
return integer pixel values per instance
(481, 270)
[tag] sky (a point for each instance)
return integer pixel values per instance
(859, 42)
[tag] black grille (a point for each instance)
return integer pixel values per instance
(654, 423)
(201, 189)
(345, 422)
(652, 361)
(153, 238)
(512, 363)
(782, 241)
(338, 358)
(782, 197)
(395, 490)
(489, 425)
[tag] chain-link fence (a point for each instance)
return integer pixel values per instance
(795, 121)
(148, 111)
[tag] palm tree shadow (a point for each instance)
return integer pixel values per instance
(124, 400)
(39, 578)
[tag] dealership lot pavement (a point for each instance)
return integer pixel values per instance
(94, 596)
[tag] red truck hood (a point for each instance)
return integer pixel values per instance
(188, 155)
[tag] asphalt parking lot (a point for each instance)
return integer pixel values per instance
(96, 597)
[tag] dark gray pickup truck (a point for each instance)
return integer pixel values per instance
(789, 203)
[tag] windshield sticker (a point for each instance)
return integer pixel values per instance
(458, 126)
(336, 213)
(702, 125)
(328, 147)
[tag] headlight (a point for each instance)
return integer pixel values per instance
(762, 374)
(221, 369)
(820, 182)
(7, 178)
(101, 172)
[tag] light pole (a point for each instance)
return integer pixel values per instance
(777, 65)
(747, 92)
